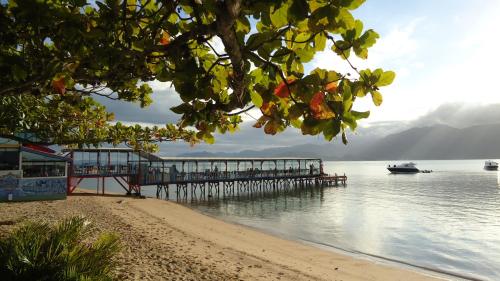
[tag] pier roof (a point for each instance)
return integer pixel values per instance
(154, 157)
(234, 158)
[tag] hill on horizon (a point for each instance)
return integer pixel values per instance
(437, 142)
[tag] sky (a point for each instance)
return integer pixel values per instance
(445, 55)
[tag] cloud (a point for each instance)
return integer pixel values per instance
(158, 113)
(394, 48)
(397, 50)
(460, 115)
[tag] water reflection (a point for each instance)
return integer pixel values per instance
(282, 198)
(447, 220)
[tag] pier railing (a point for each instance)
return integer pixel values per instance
(154, 177)
(133, 169)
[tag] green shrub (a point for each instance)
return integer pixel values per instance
(39, 251)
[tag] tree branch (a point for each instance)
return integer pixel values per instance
(240, 112)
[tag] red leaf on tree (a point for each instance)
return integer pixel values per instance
(316, 101)
(282, 90)
(271, 128)
(331, 87)
(262, 120)
(267, 108)
(319, 108)
(59, 86)
(165, 39)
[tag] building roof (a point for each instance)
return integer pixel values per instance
(45, 155)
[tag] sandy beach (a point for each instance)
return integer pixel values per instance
(162, 240)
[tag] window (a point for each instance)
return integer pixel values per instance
(44, 169)
(37, 164)
(9, 159)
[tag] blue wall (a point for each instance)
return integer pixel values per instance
(32, 188)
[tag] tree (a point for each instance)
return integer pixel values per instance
(57, 56)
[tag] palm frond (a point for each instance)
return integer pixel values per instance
(39, 251)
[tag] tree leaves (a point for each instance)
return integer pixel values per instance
(368, 39)
(279, 15)
(256, 99)
(377, 98)
(59, 85)
(299, 9)
(331, 87)
(213, 59)
(282, 90)
(165, 39)
(319, 108)
(386, 78)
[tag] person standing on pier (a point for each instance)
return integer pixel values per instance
(216, 172)
(173, 173)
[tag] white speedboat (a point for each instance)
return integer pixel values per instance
(403, 168)
(490, 165)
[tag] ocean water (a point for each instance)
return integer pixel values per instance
(448, 220)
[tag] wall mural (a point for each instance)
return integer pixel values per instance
(31, 188)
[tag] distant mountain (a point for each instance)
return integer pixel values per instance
(436, 142)
(424, 143)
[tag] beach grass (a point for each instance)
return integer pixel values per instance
(38, 250)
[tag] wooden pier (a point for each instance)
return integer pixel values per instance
(209, 177)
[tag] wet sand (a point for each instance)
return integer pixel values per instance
(163, 240)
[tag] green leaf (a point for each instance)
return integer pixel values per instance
(377, 98)
(386, 78)
(298, 10)
(297, 123)
(344, 138)
(332, 128)
(181, 109)
(361, 52)
(360, 114)
(319, 42)
(346, 97)
(138, 46)
(358, 27)
(350, 121)
(323, 18)
(242, 25)
(352, 4)
(346, 19)
(257, 39)
(301, 39)
(256, 99)
(342, 48)
(295, 112)
(305, 54)
(279, 17)
(368, 39)
(282, 52)
(209, 138)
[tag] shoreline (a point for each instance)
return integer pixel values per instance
(433, 272)
(167, 240)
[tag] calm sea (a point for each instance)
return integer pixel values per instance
(448, 220)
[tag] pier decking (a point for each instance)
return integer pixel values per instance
(134, 169)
